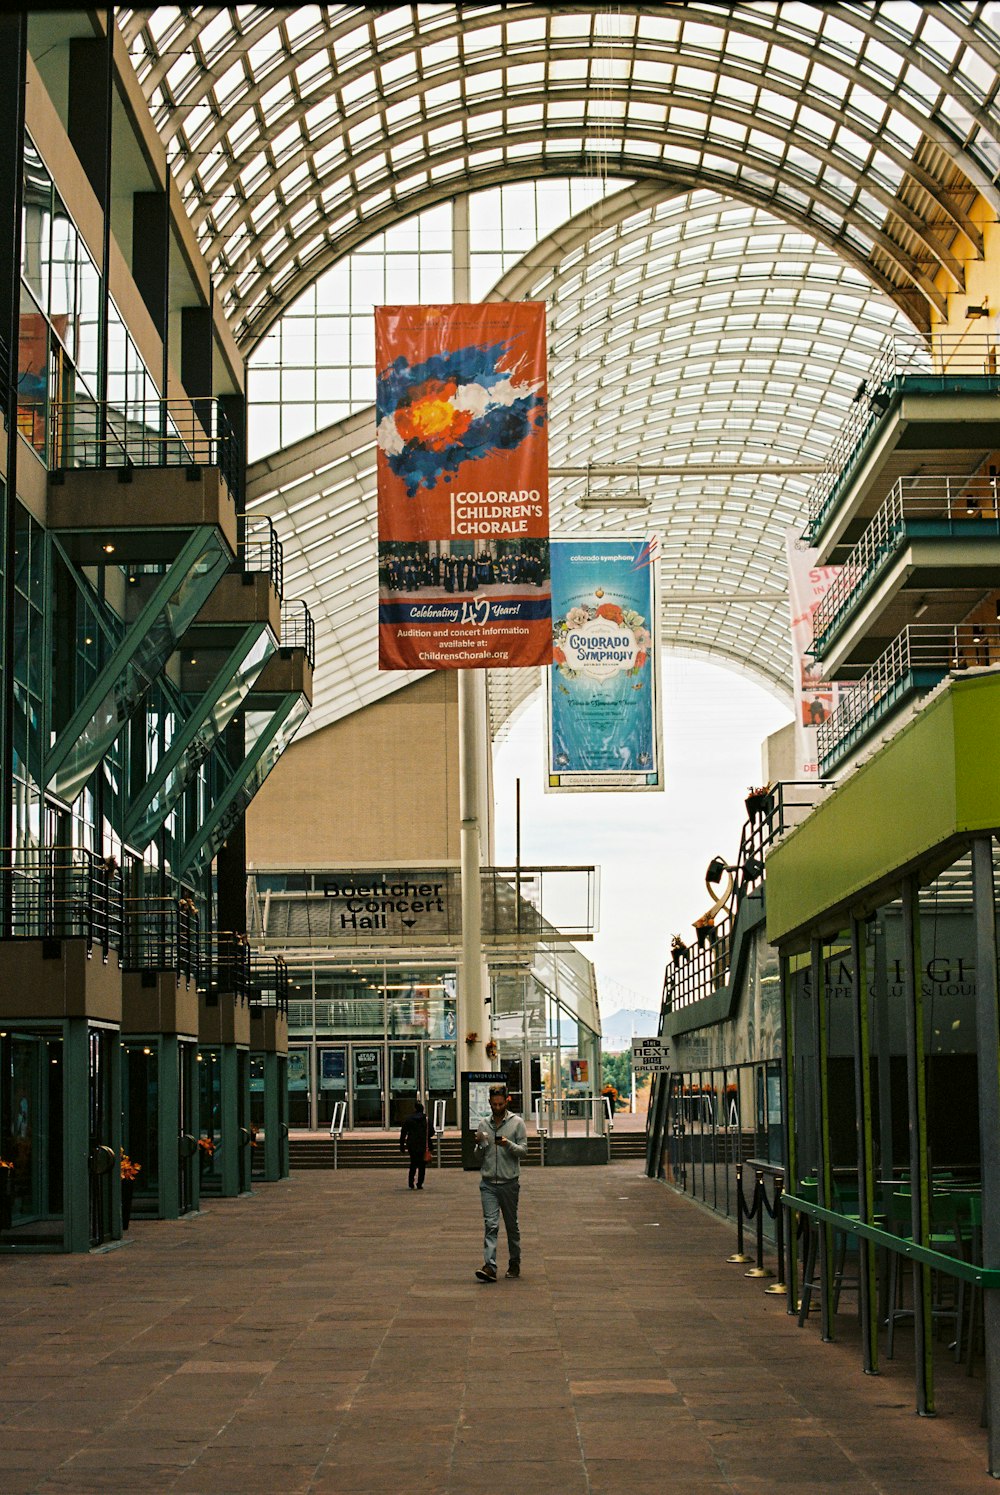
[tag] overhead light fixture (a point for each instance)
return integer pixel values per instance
(920, 608)
(612, 500)
(880, 401)
(715, 869)
(978, 311)
(108, 549)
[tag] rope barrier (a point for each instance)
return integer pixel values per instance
(755, 1210)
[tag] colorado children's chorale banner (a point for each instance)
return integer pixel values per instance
(604, 682)
(463, 486)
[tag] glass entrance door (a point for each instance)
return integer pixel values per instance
(440, 1061)
(332, 1067)
(366, 1073)
(298, 1087)
(404, 1081)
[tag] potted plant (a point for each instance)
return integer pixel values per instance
(610, 1094)
(758, 801)
(492, 1049)
(206, 1152)
(471, 1037)
(678, 949)
(705, 929)
(130, 1172)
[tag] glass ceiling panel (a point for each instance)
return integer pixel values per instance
(811, 110)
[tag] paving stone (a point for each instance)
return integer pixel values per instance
(324, 1338)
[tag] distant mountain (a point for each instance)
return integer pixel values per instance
(620, 1026)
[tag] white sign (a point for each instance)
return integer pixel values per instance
(650, 1056)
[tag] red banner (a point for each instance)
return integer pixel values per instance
(463, 486)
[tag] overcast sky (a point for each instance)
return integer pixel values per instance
(652, 848)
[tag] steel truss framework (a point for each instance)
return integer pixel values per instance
(798, 170)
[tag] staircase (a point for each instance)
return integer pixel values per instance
(381, 1150)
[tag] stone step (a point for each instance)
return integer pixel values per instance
(383, 1152)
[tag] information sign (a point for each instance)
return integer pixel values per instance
(650, 1056)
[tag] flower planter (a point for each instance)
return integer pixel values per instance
(757, 805)
(706, 934)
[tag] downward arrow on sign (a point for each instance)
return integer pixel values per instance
(408, 922)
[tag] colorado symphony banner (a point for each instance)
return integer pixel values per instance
(604, 681)
(463, 500)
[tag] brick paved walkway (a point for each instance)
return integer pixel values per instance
(328, 1336)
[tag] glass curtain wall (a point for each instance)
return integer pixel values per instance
(545, 1022)
(316, 365)
(377, 1035)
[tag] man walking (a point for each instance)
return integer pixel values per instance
(501, 1141)
(415, 1138)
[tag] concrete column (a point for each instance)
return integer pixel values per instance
(472, 1015)
(170, 1126)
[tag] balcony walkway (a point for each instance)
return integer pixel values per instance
(328, 1335)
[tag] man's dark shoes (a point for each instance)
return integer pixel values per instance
(486, 1273)
(514, 1269)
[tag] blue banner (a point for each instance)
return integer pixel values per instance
(603, 684)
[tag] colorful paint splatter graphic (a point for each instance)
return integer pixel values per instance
(453, 408)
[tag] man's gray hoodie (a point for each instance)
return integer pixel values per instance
(499, 1165)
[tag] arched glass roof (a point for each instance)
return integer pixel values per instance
(702, 357)
(800, 175)
(296, 133)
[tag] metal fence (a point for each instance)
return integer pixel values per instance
(63, 892)
(161, 934)
(298, 630)
(696, 971)
(143, 433)
(957, 503)
(260, 551)
(268, 982)
(224, 965)
(936, 364)
(916, 660)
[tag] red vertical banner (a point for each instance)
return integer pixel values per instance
(463, 486)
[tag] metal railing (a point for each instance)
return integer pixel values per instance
(938, 364)
(965, 506)
(697, 971)
(337, 1123)
(161, 934)
(143, 433)
(916, 660)
(223, 965)
(260, 551)
(268, 982)
(63, 892)
(298, 630)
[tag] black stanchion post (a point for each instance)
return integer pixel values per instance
(758, 1208)
(739, 1259)
(778, 1216)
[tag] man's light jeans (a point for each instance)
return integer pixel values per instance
(500, 1199)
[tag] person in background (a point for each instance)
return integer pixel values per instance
(415, 1138)
(501, 1141)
